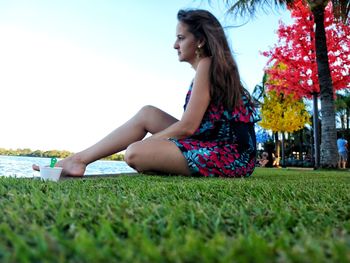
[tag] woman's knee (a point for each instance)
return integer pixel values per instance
(147, 110)
(132, 156)
(142, 116)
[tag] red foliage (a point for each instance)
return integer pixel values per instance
(292, 64)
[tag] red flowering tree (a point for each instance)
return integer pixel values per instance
(296, 51)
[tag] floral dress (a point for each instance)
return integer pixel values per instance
(224, 145)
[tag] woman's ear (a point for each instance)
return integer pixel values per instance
(201, 43)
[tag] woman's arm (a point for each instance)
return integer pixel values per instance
(196, 107)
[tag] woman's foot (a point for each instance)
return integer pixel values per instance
(72, 166)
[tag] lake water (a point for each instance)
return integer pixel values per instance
(16, 166)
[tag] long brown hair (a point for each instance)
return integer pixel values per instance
(226, 87)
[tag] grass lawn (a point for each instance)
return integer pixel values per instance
(277, 215)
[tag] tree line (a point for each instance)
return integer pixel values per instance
(51, 153)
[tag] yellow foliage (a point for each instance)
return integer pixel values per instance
(277, 82)
(283, 113)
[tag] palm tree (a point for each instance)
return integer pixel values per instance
(259, 91)
(341, 10)
(342, 108)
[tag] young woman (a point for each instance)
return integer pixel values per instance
(215, 135)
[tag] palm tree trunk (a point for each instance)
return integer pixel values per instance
(277, 148)
(283, 145)
(328, 130)
(301, 142)
(316, 132)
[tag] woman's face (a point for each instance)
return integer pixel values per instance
(185, 44)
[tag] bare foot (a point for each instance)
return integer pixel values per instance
(72, 166)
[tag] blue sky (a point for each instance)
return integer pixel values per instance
(73, 70)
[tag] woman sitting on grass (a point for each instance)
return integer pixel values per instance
(215, 135)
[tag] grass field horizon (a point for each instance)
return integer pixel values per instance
(276, 215)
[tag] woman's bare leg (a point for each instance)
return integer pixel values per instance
(148, 119)
(156, 155)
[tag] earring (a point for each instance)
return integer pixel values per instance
(198, 51)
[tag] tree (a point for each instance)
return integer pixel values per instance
(283, 113)
(341, 12)
(342, 107)
(292, 61)
(259, 91)
(261, 135)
